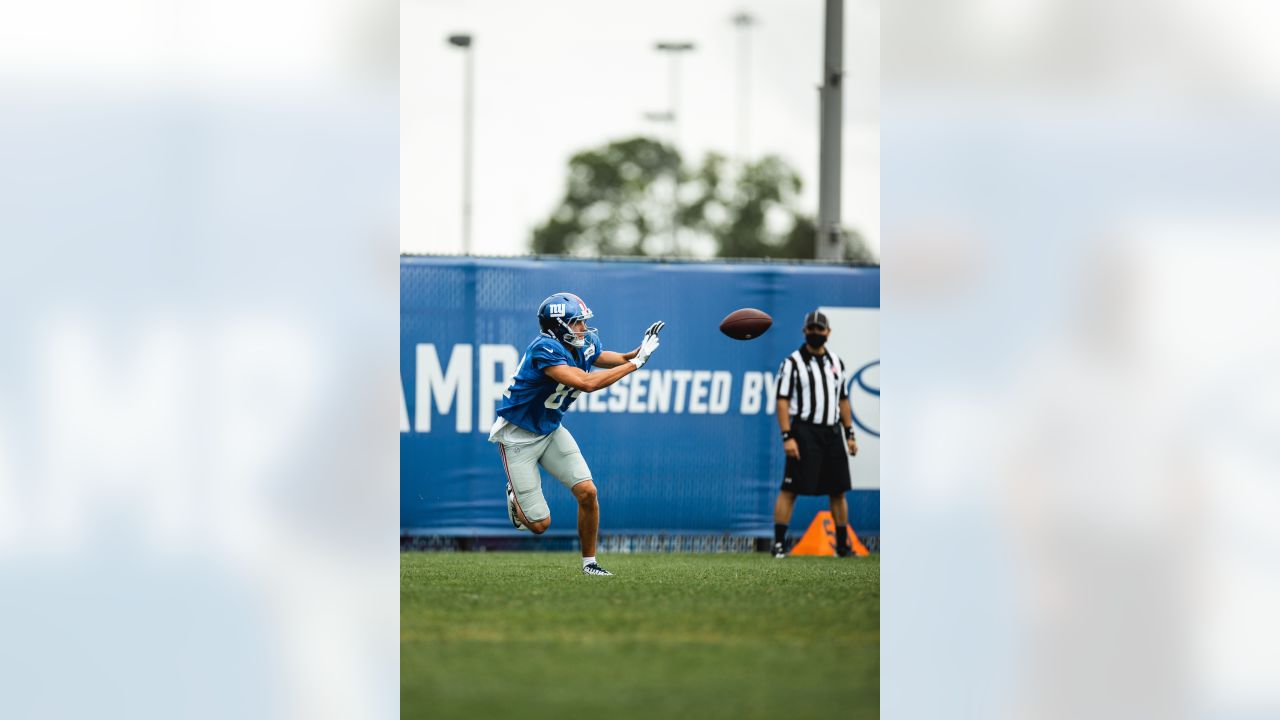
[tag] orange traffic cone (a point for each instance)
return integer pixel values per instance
(820, 538)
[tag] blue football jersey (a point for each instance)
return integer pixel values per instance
(534, 401)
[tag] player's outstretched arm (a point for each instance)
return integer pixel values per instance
(609, 359)
(588, 382)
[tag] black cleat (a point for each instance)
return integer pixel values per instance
(779, 550)
(595, 569)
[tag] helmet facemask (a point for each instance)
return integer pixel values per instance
(573, 337)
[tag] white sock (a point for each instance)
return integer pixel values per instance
(588, 560)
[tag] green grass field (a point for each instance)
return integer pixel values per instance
(525, 635)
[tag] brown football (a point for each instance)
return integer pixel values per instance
(745, 324)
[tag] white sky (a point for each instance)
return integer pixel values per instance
(558, 76)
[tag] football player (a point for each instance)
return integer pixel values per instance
(555, 370)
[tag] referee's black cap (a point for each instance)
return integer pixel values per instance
(817, 318)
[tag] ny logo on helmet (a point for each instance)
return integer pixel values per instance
(556, 309)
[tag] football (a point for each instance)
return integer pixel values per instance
(745, 324)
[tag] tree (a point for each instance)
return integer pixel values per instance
(623, 198)
(611, 204)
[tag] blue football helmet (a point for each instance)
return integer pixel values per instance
(557, 314)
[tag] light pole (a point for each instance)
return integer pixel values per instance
(463, 40)
(827, 245)
(743, 21)
(674, 50)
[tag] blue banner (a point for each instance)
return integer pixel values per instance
(688, 445)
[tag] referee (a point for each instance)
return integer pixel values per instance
(816, 438)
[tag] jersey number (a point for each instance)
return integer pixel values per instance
(556, 399)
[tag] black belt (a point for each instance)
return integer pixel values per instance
(806, 423)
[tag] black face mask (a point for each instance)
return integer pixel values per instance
(815, 340)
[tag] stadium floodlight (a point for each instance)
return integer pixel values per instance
(744, 21)
(675, 50)
(463, 40)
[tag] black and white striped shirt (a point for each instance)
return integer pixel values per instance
(814, 385)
